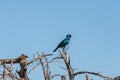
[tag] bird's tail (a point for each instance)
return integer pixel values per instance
(55, 49)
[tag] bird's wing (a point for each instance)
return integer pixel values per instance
(59, 45)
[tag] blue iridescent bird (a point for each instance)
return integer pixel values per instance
(64, 42)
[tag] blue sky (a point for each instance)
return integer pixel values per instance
(28, 26)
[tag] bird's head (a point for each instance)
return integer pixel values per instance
(68, 36)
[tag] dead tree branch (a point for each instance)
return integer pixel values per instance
(94, 73)
(66, 59)
(45, 66)
(87, 77)
(8, 68)
(37, 58)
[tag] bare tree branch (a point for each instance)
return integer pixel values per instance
(94, 73)
(45, 68)
(8, 68)
(87, 77)
(37, 58)
(66, 59)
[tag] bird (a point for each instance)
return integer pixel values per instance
(64, 42)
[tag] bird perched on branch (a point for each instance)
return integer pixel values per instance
(64, 42)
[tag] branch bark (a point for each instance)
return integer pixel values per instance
(66, 58)
(45, 67)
